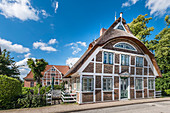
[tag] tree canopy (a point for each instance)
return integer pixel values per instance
(140, 29)
(7, 64)
(37, 67)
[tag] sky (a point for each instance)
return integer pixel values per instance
(60, 31)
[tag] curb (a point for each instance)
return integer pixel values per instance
(108, 106)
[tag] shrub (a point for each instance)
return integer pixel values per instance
(30, 100)
(10, 89)
(167, 92)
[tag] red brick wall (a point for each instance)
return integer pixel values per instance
(89, 68)
(27, 83)
(87, 97)
(107, 96)
(151, 93)
(116, 82)
(132, 93)
(138, 94)
(98, 95)
(116, 94)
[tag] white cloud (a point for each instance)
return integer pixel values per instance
(55, 6)
(21, 9)
(71, 61)
(5, 44)
(52, 41)
(75, 46)
(158, 7)
(129, 3)
(27, 55)
(82, 43)
(44, 13)
(44, 46)
(24, 69)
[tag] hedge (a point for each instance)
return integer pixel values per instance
(10, 89)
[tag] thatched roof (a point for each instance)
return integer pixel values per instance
(108, 35)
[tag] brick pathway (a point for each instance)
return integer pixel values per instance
(76, 107)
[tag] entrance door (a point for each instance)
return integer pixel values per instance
(124, 87)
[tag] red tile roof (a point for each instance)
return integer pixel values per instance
(62, 69)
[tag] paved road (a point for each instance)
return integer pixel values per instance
(157, 107)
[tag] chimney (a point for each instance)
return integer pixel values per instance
(115, 16)
(102, 31)
(121, 14)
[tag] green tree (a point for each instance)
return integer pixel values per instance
(140, 29)
(8, 65)
(161, 47)
(37, 67)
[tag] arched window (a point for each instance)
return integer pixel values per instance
(124, 45)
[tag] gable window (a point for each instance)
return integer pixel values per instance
(88, 84)
(32, 84)
(151, 84)
(52, 69)
(120, 27)
(125, 60)
(107, 84)
(138, 84)
(139, 61)
(108, 58)
(123, 45)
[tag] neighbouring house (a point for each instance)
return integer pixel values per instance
(115, 66)
(50, 71)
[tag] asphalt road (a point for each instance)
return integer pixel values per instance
(157, 107)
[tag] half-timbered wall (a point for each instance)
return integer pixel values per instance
(98, 70)
(52, 72)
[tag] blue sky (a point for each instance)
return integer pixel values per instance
(60, 30)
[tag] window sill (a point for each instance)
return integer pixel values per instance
(107, 90)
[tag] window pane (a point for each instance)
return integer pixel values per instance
(105, 57)
(125, 46)
(139, 61)
(110, 58)
(139, 84)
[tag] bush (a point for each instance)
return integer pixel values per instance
(167, 92)
(10, 89)
(30, 101)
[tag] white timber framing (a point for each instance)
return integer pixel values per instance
(56, 72)
(81, 73)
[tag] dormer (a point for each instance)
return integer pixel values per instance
(120, 24)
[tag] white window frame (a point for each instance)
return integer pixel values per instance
(137, 83)
(124, 59)
(139, 61)
(108, 79)
(108, 59)
(120, 23)
(150, 87)
(125, 48)
(88, 84)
